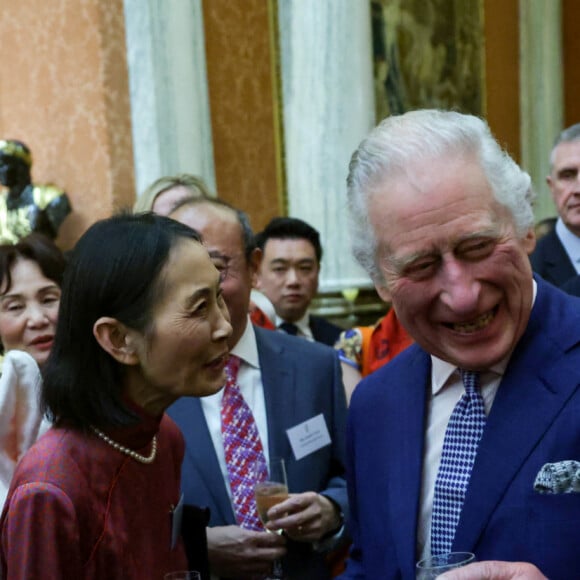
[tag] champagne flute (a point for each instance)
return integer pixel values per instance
(270, 488)
(431, 568)
(350, 295)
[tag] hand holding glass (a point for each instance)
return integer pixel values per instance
(271, 488)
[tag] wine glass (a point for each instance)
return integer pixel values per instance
(350, 295)
(431, 568)
(270, 488)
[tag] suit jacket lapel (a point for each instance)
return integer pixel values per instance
(408, 411)
(278, 376)
(538, 382)
(200, 452)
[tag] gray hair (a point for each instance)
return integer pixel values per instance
(398, 142)
(568, 135)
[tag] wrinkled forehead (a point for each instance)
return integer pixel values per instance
(433, 196)
(218, 226)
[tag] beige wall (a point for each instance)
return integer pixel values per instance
(571, 50)
(502, 98)
(64, 92)
(242, 92)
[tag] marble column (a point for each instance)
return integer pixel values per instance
(328, 107)
(168, 88)
(541, 92)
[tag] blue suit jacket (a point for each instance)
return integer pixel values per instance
(534, 420)
(301, 379)
(551, 261)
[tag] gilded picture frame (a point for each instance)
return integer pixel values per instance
(428, 54)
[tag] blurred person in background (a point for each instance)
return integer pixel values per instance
(557, 254)
(288, 276)
(166, 192)
(31, 273)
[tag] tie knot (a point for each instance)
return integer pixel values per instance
(232, 368)
(470, 381)
(289, 328)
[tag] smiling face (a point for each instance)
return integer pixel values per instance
(28, 311)
(564, 182)
(185, 352)
(288, 276)
(458, 276)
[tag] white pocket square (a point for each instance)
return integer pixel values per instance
(561, 477)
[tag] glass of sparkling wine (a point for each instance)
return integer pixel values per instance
(271, 488)
(431, 568)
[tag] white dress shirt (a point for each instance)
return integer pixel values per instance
(571, 243)
(446, 390)
(250, 383)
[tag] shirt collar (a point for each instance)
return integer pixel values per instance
(442, 370)
(247, 348)
(570, 241)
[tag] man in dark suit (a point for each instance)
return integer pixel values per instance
(449, 445)
(288, 276)
(287, 383)
(557, 255)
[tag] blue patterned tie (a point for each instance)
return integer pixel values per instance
(462, 437)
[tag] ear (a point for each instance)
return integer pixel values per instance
(116, 339)
(529, 241)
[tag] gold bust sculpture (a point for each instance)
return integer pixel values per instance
(24, 207)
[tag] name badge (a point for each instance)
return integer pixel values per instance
(309, 436)
(176, 518)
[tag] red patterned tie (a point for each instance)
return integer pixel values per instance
(242, 447)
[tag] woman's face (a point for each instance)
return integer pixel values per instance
(28, 311)
(185, 352)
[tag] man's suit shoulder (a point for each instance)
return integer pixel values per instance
(550, 260)
(549, 245)
(382, 383)
(324, 331)
(556, 314)
(292, 345)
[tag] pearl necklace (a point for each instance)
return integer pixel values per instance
(126, 450)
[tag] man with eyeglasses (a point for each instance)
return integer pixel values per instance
(285, 383)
